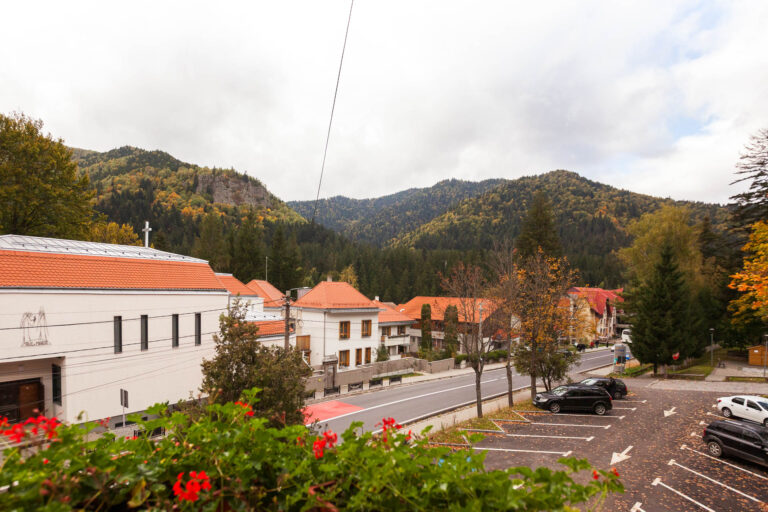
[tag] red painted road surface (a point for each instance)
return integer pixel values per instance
(328, 410)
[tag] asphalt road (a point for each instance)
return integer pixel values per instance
(411, 402)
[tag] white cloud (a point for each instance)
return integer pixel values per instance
(656, 97)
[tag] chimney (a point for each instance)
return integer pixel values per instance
(376, 298)
(330, 279)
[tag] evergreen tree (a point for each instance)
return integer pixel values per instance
(451, 330)
(426, 328)
(285, 261)
(248, 251)
(538, 230)
(211, 245)
(662, 320)
(752, 205)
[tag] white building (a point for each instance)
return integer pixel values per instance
(335, 322)
(80, 321)
(393, 327)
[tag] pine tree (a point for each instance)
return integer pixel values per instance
(451, 330)
(752, 205)
(426, 328)
(211, 245)
(662, 317)
(248, 251)
(538, 230)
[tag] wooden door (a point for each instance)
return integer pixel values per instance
(30, 399)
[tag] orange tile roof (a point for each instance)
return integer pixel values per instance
(412, 308)
(21, 269)
(335, 295)
(597, 297)
(271, 295)
(234, 285)
(271, 327)
(390, 315)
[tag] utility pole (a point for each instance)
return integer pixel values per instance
(712, 347)
(146, 231)
(287, 319)
(266, 268)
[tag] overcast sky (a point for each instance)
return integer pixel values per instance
(655, 97)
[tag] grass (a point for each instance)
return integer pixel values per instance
(479, 424)
(745, 379)
(412, 374)
(633, 371)
(455, 435)
(697, 369)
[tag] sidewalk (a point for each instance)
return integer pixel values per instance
(731, 388)
(734, 369)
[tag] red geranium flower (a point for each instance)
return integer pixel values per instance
(595, 474)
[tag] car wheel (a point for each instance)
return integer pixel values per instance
(727, 412)
(618, 395)
(599, 409)
(715, 449)
(765, 422)
(554, 407)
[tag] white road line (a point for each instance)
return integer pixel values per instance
(659, 482)
(606, 427)
(625, 408)
(637, 507)
(562, 454)
(591, 416)
(686, 447)
(635, 402)
(715, 415)
(673, 463)
(587, 439)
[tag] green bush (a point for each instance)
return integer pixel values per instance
(227, 459)
(459, 358)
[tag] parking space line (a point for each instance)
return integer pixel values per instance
(673, 463)
(637, 507)
(626, 408)
(686, 447)
(606, 427)
(589, 416)
(587, 439)
(562, 454)
(635, 402)
(659, 482)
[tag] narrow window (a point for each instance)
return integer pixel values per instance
(359, 356)
(174, 331)
(118, 321)
(366, 328)
(56, 378)
(198, 331)
(400, 330)
(368, 355)
(344, 358)
(144, 332)
(386, 331)
(343, 330)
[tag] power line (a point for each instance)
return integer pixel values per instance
(333, 108)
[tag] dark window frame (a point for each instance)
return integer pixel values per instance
(144, 326)
(175, 331)
(198, 329)
(56, 383)
(118, 329)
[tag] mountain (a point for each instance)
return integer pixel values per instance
(592, 218)
(133, 185)
(380, 220)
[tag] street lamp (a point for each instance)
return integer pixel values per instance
(712, 347)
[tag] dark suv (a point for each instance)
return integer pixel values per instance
(615, 387)
(575, 397)
(745, 440)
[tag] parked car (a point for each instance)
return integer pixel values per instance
(626, 336)
(748, 407)
(615, 387)
(575, 397)
(744, 440)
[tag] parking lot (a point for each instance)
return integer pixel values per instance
(653, 438)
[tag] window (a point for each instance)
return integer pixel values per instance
(750, 436)
(366, 328)
(368, 355)
(174, 331)
(400, 330)
(144, 332)
(344, 358)
(56, 378)
(118, 321)
(359, 356)
(752, 405)
(198, 331)
(738, 400)
(386, 331)
(343, 330)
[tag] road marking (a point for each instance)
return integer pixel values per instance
(670, 412)
(694, 434)
(703, 423)
(606, 427)
(673, 463)
(686, 447)
(626, 408)
(619, 457)
(587, 439)
(635, 402)
(562, 454)
(636, 507)
(659, 482)
(715, 415)
(589, 415)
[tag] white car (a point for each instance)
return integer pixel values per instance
(748, 407)
(626, 336)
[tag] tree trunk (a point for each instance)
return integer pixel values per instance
(478, 391)
(533, 386)
(510, 388)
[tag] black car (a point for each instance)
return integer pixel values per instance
(744, 440)
(575, 397)
(615, 387)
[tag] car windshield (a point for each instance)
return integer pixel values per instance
(589, 382)
(764, 405)
(560, 390)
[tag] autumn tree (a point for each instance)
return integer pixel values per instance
(538, 229)
(752, 204)
(468, 284)
(41, 191)
(348, 275)
(426, 329)
(211, 245)
(113, 233)
(241, 362)
(752, 280)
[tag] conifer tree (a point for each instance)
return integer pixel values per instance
(211, 245)
(248, 251)
(426, 328)
(451, 329)
(538, 230)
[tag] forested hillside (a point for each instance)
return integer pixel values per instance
(591, 218)
(133, 185)
(379, 220)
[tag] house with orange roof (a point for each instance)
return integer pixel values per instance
(600, 308)
(274, 299)
(469, 317)
(393, 329)
(83, 322)
(336, 326)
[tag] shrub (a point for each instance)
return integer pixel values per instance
(227, 459)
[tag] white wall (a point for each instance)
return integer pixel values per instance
(323, 328)
(92, 374)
